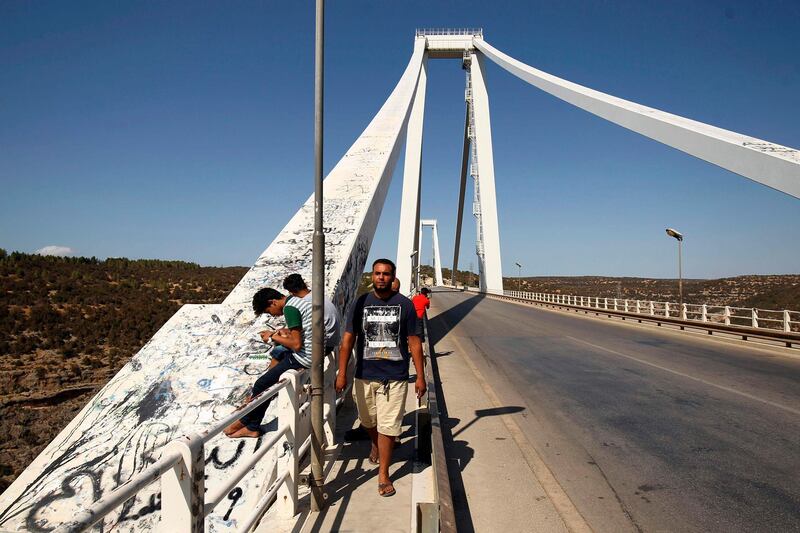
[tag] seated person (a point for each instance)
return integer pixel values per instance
(297, 287)
(295, 338)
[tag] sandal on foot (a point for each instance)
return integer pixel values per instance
(386, 489)
(373, 459)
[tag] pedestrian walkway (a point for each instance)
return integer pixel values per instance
(352, 484)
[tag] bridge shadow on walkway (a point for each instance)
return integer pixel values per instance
(353, 503)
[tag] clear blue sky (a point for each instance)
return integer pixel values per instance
(184, 130)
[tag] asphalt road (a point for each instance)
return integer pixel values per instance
(643, 429)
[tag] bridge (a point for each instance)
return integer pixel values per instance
(706, 426)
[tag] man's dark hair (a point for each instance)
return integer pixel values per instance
(385, 262)
(294, 283)
(425, 291)
(263, 298)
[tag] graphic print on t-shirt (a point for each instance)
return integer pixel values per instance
(382, 333)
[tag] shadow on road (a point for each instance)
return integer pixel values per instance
(494, 411)
(451, 317)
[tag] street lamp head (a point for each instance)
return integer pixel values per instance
(674, 233)
(413, 254)
(520, 266)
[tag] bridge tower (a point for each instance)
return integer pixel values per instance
(437, 258)
(453, 44)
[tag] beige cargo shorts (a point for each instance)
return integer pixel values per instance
(381, 405)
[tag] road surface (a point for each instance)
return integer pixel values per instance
(641, 428)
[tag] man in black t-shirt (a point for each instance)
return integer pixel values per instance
(382, 326)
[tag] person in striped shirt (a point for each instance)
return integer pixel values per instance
(295, 338)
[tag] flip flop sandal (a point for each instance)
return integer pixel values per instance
(386, 493)
(373, 459)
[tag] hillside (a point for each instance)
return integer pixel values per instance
(765, 292)
(68, 324)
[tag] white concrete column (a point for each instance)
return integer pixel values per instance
(408, 234)
(493, 271)
(437, 258)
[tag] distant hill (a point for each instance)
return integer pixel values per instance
(763, 291)
(68, 324)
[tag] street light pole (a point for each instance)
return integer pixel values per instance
(519, 277)
(680, 272)
(318, 277)
(679, 237)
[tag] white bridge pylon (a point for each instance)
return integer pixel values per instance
(767, 163)
(437, 258)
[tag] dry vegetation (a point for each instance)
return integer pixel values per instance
(764, 292)
(68, 324)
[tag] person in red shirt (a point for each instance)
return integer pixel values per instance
(421, 302)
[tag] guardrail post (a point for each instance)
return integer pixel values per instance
(606, 302)
(704, 313)
(626, 305)
(727, 315)
(652, 308)
(286, 449)
(754, 316)
(638, 307)
(183, 487)
(615, 304)
(666, 309)
(683, 311)
(787, 323)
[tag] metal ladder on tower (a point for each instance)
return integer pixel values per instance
(473, 169)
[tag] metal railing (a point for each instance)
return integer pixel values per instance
(181, 468)
(772, 319)
(424, 32)
(781, 325)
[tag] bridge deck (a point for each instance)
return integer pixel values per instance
(626, 427)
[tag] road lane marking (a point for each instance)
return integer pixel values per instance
(572, 518)
(687, 376)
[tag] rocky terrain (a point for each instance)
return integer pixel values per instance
(68, 324)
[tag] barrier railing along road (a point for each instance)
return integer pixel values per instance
(782, 325)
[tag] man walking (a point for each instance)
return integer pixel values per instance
(421, 302)
(296, 338)
(382, 326)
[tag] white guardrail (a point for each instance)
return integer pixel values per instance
(181, 468)
(768, 320)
